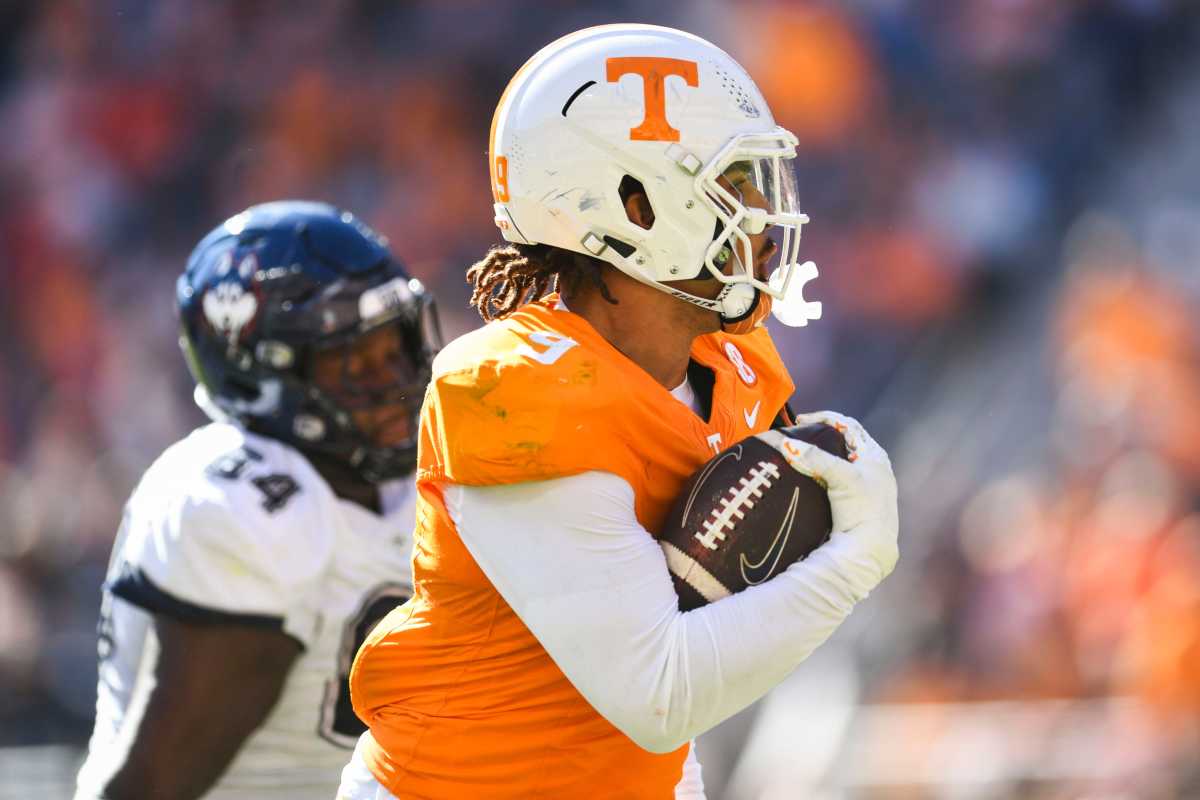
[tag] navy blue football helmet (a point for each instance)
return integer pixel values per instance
(280, 282)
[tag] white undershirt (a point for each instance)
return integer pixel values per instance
(572, 560)
(685, 394)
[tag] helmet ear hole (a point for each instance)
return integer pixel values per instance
(637, 205)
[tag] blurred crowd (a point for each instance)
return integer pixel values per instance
(1074, 574)
(946, 151)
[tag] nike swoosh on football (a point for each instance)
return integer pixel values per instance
(751, 415)
(754, 574)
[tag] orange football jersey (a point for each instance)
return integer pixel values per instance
(460, 698)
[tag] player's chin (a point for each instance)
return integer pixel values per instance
(762, 264)
(390, 430)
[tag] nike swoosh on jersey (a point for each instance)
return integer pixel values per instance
(754, 574)
(751, 415)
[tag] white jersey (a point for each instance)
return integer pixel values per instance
(227, 525)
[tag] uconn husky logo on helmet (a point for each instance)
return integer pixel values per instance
(278, 282)
(229, 308)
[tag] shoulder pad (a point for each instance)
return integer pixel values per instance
(516, 400)
(252, 478)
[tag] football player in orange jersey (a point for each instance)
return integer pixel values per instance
(644, 189)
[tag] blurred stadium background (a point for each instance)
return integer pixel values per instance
(1005, 198)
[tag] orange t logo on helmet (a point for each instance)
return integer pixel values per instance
(654, 71)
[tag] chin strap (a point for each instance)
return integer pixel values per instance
(753, 318)
(736, 302)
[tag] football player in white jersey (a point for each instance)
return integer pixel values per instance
(256, 553)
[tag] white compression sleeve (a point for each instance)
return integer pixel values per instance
(691, 784)
(572, 560)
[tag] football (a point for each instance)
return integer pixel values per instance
(745, 516)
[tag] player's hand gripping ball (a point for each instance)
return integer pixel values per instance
(745, 516)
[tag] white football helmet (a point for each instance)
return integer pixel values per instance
(675, 112)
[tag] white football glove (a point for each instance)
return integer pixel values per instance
(862, 497)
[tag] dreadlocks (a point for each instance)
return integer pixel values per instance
(511, 275)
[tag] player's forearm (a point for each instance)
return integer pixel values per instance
(172, 779)
(161, 762)
(171, 756)
(698, 668)
(720, 658)
(210, 688)
(570, 558)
